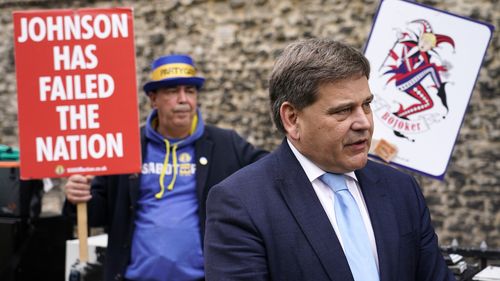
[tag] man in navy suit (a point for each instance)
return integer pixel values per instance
(278, 219)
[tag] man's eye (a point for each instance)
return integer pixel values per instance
(344, 111)
(367, 106)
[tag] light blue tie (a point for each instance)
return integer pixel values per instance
(357, 247)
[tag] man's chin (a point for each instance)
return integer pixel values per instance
(183, 123)
(359, 161)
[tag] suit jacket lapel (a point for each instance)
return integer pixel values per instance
(383, 220)
(203, 148)
(305, 206)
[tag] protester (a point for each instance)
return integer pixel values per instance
(155, 220)
(317, 208)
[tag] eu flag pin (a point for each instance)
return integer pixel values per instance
(203, 161)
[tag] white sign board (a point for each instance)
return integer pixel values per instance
(94, 266)
(424, 66)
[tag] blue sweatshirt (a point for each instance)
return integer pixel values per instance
(167, 243)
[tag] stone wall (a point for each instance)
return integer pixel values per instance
(235, 43)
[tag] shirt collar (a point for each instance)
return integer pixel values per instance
(312, 170)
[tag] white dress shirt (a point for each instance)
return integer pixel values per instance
(325, 196)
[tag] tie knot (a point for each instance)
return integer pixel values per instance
(335, 181)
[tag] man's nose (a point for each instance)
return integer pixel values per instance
(181, 95)
(362, 119)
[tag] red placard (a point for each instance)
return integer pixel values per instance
(77, 101)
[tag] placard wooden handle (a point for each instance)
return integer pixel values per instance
(81, 213)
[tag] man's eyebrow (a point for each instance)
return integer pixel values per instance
(338, 107)
(333, 109)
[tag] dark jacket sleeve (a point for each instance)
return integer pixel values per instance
(431, 265)
(246, 152)
(232, 241)
(227, 152)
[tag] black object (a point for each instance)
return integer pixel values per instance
(81, 271)
(37, 248)
(484, 255)
(473, 255)
(13, 244)
(31, 248)
(19, 198)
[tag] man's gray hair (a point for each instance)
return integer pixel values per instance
(305, 65)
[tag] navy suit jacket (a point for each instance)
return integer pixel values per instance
(265, 222)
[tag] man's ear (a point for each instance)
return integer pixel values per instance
(289, 118)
